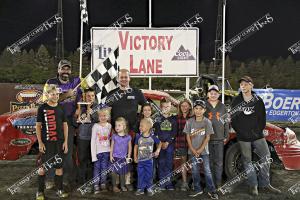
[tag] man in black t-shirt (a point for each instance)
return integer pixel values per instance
(124, 102)
(52, 135)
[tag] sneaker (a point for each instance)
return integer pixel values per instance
(49, 185)
(170, 189)
(213, 195)
(271, 189)
(89, 190)
(184, 187)
(162, 188)
(253, 190)
(150, 193)
(116, 189)
(40, 196)
(154, 190)
(62, 194)
(67, 186)
(129, 187)
(195, 193)
(124, 189)
(103, 187)
(139, 192)
(218, 186)
(96, 190)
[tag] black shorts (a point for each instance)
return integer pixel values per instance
(53, 156)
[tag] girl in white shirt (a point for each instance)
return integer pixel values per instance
(100, 148)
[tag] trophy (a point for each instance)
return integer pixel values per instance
(85, 117)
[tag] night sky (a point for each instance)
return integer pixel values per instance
(18, 17)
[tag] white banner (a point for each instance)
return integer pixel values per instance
(156, 52)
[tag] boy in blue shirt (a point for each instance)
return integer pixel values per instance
(143, 155)
(166, 130)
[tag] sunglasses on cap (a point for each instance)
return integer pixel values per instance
(199, 103)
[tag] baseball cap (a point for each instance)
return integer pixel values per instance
(247, 79)
(213, 87)
(63, 63)
(199, 102)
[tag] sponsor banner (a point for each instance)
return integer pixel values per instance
(30, 96)
(11, 93)
(20, 142)
(281, 105)
(157, 52)
(29, 87)
(27, 99)
(25, 124)
(16, 106)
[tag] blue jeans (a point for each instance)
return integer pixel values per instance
(216, 152)
(165, 165)
(145, 174)
(155, 161)
(102, 164)
(262, 150)
(207, 173)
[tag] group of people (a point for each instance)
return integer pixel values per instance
(117, 133)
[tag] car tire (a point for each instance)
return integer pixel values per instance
(232, 166)
(233, 163)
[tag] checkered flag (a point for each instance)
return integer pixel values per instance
(83, 10)
(103, 78)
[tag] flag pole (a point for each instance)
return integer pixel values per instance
(223, 53)
(150, 26)
(81, 43)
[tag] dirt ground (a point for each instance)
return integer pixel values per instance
(12, 171)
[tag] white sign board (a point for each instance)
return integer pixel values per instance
(156, 52)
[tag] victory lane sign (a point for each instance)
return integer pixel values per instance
(149, 52)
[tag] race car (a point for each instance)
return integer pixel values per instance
(17, 138)
(282, 141)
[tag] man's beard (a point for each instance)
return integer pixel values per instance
(64, 76)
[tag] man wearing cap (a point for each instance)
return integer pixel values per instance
(68, 99)
(214, 110)
(249, 123)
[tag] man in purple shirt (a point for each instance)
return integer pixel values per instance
(68, 98)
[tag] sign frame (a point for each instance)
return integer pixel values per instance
(147, 28)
